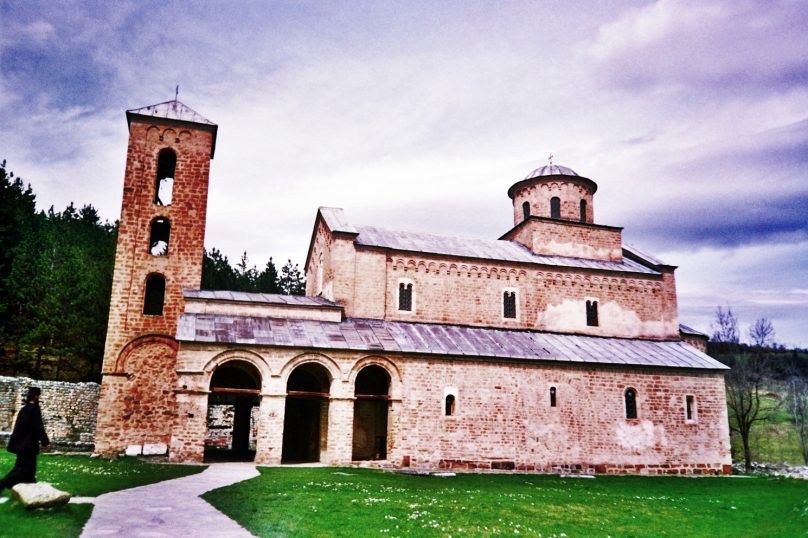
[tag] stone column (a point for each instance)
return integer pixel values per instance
(340, 431)
(269, 444)
(394, 455)
(187, 443)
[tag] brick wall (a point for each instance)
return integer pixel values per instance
(553, 237)
(68, 410)
(448, 291)
(503, 417)
(539, 192)
(182, 266)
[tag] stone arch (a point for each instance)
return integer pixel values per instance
(234, 394)
(371, 410)
(308, 382)
(245, 355)
(392, 368)
(146, 339)
(334, 371)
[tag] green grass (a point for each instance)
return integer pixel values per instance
(328, 502)
(80, 476)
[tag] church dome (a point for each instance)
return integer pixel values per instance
(551, 170)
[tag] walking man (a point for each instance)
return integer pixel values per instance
(28, 433)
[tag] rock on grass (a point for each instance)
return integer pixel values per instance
(39, 495)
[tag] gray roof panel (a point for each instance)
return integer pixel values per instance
(437, 339)
(486, 249)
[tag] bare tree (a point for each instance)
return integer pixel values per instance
(761, 333)
(725, 327)
(744, 384)
(798, 406)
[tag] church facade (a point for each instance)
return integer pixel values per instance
(555, 347)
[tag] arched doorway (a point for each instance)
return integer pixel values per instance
(372, 393)
(235, 393)
(305, 424)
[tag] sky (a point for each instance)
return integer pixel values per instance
(691, 116)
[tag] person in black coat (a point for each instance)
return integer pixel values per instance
(28, 433)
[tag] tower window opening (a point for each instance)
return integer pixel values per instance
(405, 296)
(158, 238)
(555, 207)
(592, 313)
(166, 167)
(583, 210)
(631, 403)
(155, 295)
(552, 396)
(449, 406)
(526, 210)
(509, 304)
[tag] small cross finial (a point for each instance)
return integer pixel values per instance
(550, 158)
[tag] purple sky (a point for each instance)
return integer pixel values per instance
(692, 117)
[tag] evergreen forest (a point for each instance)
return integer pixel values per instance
(56, 277)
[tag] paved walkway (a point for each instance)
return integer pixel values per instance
(171, 508)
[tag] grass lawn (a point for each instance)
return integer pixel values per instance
(326, 502)
(80, 476)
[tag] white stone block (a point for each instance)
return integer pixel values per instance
(39, 495)
(134, 450)
(154, 449)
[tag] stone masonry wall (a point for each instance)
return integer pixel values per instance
(182, 266)
(68, 410)
(553, 237)
(446, 291)
(538, 195)
(503, 418)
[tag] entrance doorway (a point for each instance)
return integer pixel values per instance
(372, 392)
(305, 425)
(235, 393)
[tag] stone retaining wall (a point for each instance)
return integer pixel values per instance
(68, 410)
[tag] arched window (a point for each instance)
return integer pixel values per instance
(158, 238)
(555, 207)
(509, 304)
(592, 313)
(631, 403)
(526, 210)
(583, 210)
(405, 296)
(166, 166)
(449, 407)
(552, 396)
(155, 295)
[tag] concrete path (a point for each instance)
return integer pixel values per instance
(171, 508)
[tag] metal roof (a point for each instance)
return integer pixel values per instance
(172, 110)
(434, 339)
(488, 249)
(551, 170)
(684, 329)
(336, 220)
(262, 298)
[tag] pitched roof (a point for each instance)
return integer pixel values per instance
(443, 340)
(489, 249)
(172, 110)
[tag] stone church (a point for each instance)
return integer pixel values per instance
(555, 347)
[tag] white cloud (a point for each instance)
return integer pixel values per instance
(718, 43)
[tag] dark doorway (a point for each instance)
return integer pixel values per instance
(305, 424)
(232, 412)
(372, 392)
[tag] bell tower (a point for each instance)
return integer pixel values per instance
(159, 253)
